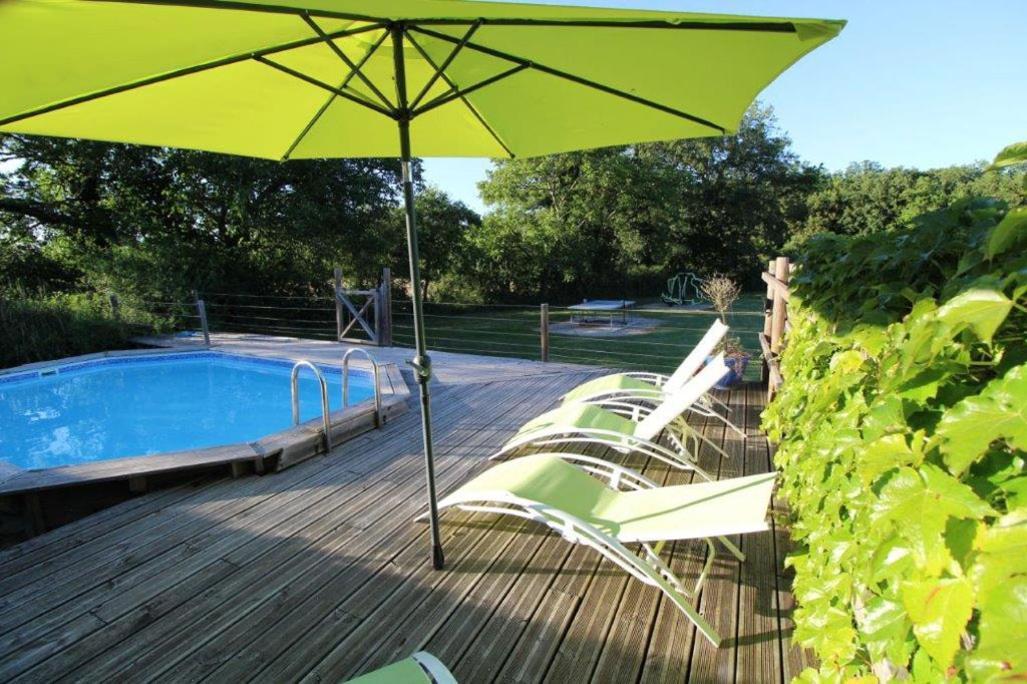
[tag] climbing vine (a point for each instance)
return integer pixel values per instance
(902, 441)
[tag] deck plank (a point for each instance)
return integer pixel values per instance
(281, 584)
(631, 620)
(718, 601)
(318, 573)
(308, 607)
(759, 638)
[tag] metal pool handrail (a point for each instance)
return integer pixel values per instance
(377, 382)
(294, 381)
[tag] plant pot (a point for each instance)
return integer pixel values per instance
(736, 369)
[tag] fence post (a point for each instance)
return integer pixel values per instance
(115, 307)
(544, 331)
(768, 306)
(201, 309)
(384, 309)
(338, 304)
(780, 313)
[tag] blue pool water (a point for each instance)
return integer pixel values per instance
(131, 406)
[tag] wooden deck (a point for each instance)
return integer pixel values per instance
(318, 574)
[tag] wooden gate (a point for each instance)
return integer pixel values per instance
(364, 316)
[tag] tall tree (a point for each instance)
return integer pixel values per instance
(153, 220)
(867, 197)
(442, 224)
(610, 221)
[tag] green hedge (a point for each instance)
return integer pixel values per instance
(902, 431)
(40, 328)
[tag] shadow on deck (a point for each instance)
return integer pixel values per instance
(318, 573)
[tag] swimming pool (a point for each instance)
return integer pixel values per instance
(124, 406)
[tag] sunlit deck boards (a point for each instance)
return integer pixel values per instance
(319, 573)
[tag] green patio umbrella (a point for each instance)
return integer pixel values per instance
(301, 79)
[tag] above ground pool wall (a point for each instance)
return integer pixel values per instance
(34, 501)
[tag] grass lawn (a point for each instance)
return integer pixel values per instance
(514, 331)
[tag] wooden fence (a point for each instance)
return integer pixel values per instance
(775, 323)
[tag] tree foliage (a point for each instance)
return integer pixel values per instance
(442, 226)
(162, 222)
(620, 220)
(868, 198)
(158, 223)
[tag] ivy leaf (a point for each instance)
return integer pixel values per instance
(924, 385)
(921, 502)
(883, 417)
(1001, 575)
(891, 560)
(884, 623)
(1008, 233)
(939, 610)
(1010, 156)
(872, 339)
(883, 454)
(1003, 633)
(982, 309)
(1003, 553)
(998, 412)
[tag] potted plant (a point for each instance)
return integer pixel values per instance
(735, 358)
(723, 292)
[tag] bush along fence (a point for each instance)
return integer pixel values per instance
(652, 337)
(902, 441)
(39, 327)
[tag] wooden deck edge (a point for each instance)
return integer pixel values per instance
(284, 448)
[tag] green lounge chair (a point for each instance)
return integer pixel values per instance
(420, 668)
(653, 388)
(628, 427)
(630, 509)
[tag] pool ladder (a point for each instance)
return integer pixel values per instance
(325, 408)
(377, 382)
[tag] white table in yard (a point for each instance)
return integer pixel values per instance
(592, 311)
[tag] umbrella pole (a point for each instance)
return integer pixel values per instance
(420, 362)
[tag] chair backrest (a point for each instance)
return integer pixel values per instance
(697, 357)
(677, 403)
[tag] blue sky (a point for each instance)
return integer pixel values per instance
(921, 83)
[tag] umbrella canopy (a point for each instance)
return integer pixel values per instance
(278, 79)
(295, 79)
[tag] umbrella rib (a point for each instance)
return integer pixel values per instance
(177, 73)
(757, 26)
(764, 26)
(331, 98)
(459, 94)
(445, 64)
(471, 108)
(325, 86)
(306, 129)
(346, 60)
(609, 90)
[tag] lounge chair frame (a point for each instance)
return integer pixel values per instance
(682, 453)
(704, 406)
(433, 668)
(667, 418)
(680, 457)
(646, 567)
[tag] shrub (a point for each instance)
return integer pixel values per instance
(43, 327)
(902, 431)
